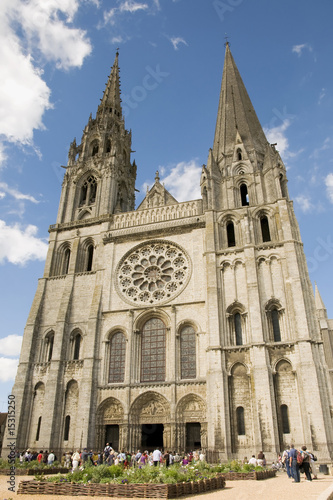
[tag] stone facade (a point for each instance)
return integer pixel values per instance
(182, 325)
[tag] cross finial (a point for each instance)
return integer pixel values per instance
(226, 40)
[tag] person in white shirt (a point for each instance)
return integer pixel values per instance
(156, 456)
(253, 460)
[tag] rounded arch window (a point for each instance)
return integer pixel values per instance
(231, 234)
(244, 195)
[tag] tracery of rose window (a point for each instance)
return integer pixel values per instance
(153, 273)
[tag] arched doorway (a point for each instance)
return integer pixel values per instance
(150, 422)
(110, 418)
(191, 423)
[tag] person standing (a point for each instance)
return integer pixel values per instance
(261, 458)
(306, 463)
(294, 465)
(76, 459)
(156, 456)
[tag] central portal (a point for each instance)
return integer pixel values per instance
(152, 436)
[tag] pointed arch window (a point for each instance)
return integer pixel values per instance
(276, 325)
(238, 328)
(187, 353)
(94, 147)
(65, 261)
(88, 191)
(77, 346)
(231, 234)
(117, 358)
(239, 154)
(283, 186)
(49, 341)
(67, 427)
(265, 233)
(90, 255)
(240, 421)
(38, 428)
(285, 419)
(153, 344)
(244, 195)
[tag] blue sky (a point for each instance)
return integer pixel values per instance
(55, 57)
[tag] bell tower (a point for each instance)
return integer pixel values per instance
(100, 178)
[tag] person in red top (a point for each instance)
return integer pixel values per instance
(40, 456)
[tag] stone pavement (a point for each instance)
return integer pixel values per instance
(276, 488)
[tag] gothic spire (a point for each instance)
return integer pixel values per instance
(236, 113)
(111, 102)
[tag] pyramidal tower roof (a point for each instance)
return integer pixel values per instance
(236, 113)
(111, 97)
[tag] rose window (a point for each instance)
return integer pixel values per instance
(153, 273)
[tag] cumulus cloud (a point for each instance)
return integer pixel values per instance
(278, 135)
(329, 186)
(298, 49)
(183, 180)
(176, 40)
(31, 33)
(8, 368)
(20, 244)
(11, 345)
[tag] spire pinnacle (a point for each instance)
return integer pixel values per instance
(235, 113)
(111, 102)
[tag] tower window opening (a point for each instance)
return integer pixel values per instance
(95, 148)
(67, 426)
(108, 146)
(285, 419)
(38, 428)
(239, 154)
(88, 191)
(266, 236)
(66, 259)
(50, 347)
(77, 346)
(276, 325)
(231, 234)
(283, 186)
(90, 252)
(240, 421)
(238, 329)
(244, 195)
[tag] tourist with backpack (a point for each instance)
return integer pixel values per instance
(306, 463)
(294, 463)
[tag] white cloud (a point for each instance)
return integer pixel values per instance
(127, 6)
(304, 203)
(277, 135)
(16, 194)
(183, 181)
(11, 345)
(31, 31)
(327, 144)
(176, 40)
(298, 49)
(18, 245)
(329, 186)
(8, 369)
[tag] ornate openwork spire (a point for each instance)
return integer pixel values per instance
(236, 113)
(111, 102)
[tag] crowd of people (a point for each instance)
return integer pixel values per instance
(73, 460)
(298, 461)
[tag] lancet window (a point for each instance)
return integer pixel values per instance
(187, 352)
(117, 358)
(88, 191)
(153, 351)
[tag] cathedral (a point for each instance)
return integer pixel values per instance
(184, 325)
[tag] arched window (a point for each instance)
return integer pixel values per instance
(38, 428)
(65, 261)
(231, 234)
(67, 426)
(187, 353)
(94, 147)
(240, 421)
(77, 346)
(238, 329)
(283, 186)
(90, 254)
(239, 154)
(108, 146)
(244, 195)
(276, 325)
(285, 419)
(49, 341)
(266, 236)
(88, 191)
(153, 351)
(117, 358)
